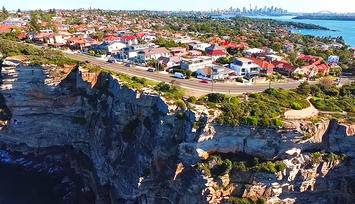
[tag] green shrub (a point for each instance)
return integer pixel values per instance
(280, 166)
(181, 104)
(216, 97)
(192, 99)
(296, 106)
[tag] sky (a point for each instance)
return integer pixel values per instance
(291, 5)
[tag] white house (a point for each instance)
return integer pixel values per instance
(199, 46)
(252, 51)
(245, 67)
(195, 63)
(129, 40)
(131, 51)
(333, 59)
(149, 38)
(215, 73)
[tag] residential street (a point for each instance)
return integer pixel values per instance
(185, 83)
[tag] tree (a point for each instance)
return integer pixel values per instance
(304, 88)
(326, 83)
(100, 36)
(5, 12)
(34, 25)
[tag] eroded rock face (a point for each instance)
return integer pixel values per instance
(126, 135)
(137, 149)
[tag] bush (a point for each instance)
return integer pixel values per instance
(216, 97)
(304, 89)
(296, 106)
(181, 104)
(280, 166)
(192, 99)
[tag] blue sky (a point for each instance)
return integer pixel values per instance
(291, 5)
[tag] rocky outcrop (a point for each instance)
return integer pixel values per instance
(135, 147)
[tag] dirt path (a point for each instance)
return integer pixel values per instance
(306, 113)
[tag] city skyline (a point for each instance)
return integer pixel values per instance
(344, 6)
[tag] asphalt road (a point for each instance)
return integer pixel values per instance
(195, 85)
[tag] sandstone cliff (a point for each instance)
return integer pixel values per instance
(134, 147)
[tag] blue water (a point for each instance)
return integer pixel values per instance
(346, 29)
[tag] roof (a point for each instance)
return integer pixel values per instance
(322, 68)
(216, 53)
(111, 38)
(284, 66)
(307, 57)
(129, 37)
(154, 51)
(262, 63)
(243, 59)
(140, 35)
(22, 35)
(166, 60)
(207, 70)
(7, 28)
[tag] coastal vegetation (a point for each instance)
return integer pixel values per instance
(257, 109)
(221, 164)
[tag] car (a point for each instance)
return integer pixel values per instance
(179, 75)
(151, 70)
(204, 81)
(87, 61)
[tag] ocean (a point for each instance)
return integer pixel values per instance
(346, 29)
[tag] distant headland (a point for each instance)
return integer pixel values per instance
(327, 17)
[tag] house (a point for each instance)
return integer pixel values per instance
(22, 36)
(285, 68)
(252, 51)
(271, 58)
(153, 53)
(131, 51)
(215, 54)
(245, 67)
(169, 62)
(288, 46)
(214, 47)
(129, 40)
(54, 39)
(178, 51)
(112, 47)
(197, 62)
(214, 73)
(265, 67)
(149, 38)
(323, 69)
(308, 58)
(8, 28)
(111, 38)
(199, 46)
(195, 53)
(333, 59)
(79, 43)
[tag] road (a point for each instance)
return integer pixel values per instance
(226, 88)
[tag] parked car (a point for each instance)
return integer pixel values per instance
(179, 75)
(112, 60)
(204, 81)
(151, 70)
